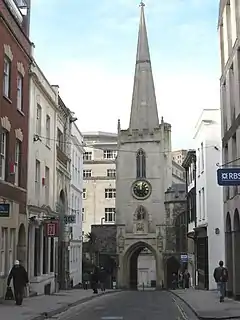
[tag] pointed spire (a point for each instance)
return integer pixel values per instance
(144, 114)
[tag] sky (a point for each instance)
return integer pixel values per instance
(88, 48)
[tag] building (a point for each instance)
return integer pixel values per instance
(76, 190)
(178, 156)
(229, 32)
(141, 184)
(189, 165)
(99, 175)
(15, 59)
(209, 197)
(41, 197)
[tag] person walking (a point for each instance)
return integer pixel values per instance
(94, 281)
(85, 280)
(102, 279)
(221, 277)
(20, 279)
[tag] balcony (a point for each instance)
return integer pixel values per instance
(62, 157)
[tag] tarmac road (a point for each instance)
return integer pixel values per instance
(131, 305)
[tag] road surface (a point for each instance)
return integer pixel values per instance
(131, 305)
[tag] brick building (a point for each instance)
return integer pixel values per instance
(15, 59)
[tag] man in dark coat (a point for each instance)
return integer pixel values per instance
(102, 279)
(20, 280)
(221, 277)
(94, 280)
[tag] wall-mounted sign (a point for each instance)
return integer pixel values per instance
(52, 228)
(4, 210)
(184, 258)
(70, 219)
(228, 177)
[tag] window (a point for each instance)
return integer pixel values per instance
(111, 173)
(83, 214)
(3, 247)
(109, 154)
(234, 157)
(48, 123)
(72, 203)
(110, 215)
(87, 156)
(3, 151)
(87, 173)
(110, 193)
(203, 204)
(6, 77)
(141, 164)
(37, 178)
(18, 163)
(84, 193)
(202, 157)
(11, 247)
(47, 179)
(60, 141)
(20, 92)
(38, 120)
(199, 205)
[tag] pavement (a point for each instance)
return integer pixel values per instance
(42, 307)
(131, 305)
(206, 305)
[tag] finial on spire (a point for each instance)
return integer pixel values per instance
(142, 4)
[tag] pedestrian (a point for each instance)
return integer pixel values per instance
(85, 280)
(221, 277)
(102, 279)
(186, 279)
(94, 281)
(20, 280)
(174, 281)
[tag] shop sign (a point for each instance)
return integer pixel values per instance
(52, 228)
(4, 210)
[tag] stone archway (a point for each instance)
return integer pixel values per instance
(127, 277)
(236, 255)
(172, 266)
(22, 245)
(229, 253)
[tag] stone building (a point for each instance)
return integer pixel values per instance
(229, 34)
(141, 184)
(15, 59)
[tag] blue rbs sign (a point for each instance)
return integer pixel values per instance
(228, 176)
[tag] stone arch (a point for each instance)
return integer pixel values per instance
(22, 245)
(172, 265)
(236, 255)
(229, 252)
(128, 264)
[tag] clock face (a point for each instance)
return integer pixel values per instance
(141, 189)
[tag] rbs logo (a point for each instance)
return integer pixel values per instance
(228, 176)
(231, 176)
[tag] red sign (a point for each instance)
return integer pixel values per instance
(51, 228)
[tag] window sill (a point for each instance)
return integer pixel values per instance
(7, 98)
(21, 112)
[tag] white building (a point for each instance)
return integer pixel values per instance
(99, 175)
(41, 177)
(209, 195)
(75, 201)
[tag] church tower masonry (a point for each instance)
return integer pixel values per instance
(144, 173)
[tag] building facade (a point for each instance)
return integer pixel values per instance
(179, 155)
(76, 190)
(141, 184)
(229, 32)
(99, 179)
(210, 222)
(15, 59)
(41, 197)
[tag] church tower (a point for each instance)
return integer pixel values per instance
(144, 173)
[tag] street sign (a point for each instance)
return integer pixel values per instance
(4, 210)
(69, 219)
(228, 177)
(184, 258)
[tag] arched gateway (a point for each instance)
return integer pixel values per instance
(144, 173)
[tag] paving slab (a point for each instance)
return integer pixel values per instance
(206, 305)
(42, 307)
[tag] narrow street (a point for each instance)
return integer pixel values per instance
(132, 305)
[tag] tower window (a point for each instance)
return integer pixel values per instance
(141, 164)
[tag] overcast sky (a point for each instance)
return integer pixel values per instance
(88, 48)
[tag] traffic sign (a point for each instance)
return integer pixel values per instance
(228, 176)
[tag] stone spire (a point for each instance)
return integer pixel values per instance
(144, 114)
